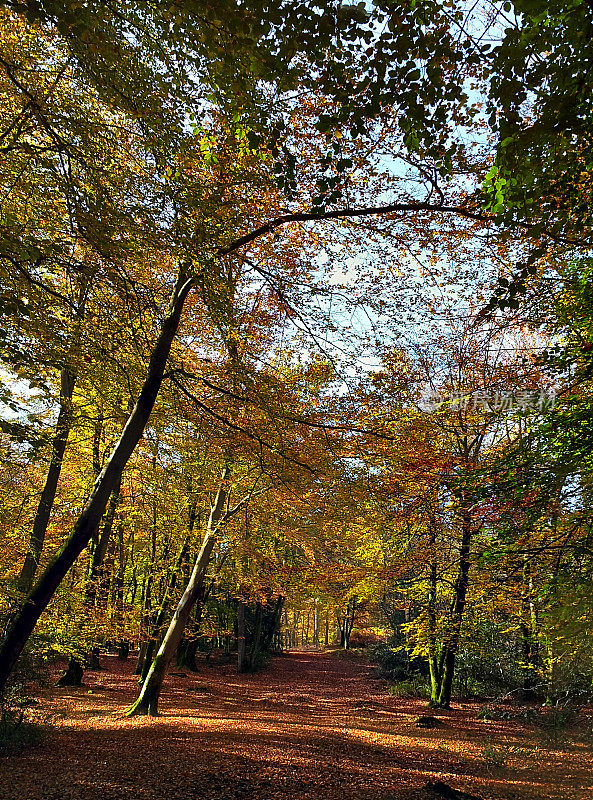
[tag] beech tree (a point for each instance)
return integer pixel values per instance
(199, 154)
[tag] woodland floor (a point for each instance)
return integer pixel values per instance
(311, 726)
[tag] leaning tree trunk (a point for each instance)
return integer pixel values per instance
(147, 702)
(38, 599)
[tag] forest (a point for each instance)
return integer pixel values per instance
(296, 399)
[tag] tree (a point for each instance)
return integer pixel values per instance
(200, 196)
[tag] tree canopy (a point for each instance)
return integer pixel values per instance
(295, 331)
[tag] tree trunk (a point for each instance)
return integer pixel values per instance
(68, 376)
(241, 648)
(35, 604)
(186, 655)
(92, 660)
(73, 674)
(48, 495)
(295, 628)
(272, 625)
(148, 656)
(147, 702)
(345, 624)
(527, 635)
(141, 658)
(461, 586)
(433, 665)
(255, 649)
(147, 619)
(97, 577)
(188, 648)
(340, 629)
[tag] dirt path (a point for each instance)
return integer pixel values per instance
(312, 726)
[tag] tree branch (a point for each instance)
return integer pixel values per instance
(344, 213)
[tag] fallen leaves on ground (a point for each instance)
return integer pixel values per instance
(311, 727)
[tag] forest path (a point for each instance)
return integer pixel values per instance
(311, 726)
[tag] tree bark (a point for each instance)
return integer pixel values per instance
(48, 494)
(97, 577)
(73, 674)
(68, 376)
(433, 665)
(141, 658)
(255, 649)
(241, 648)
(528, 644)
(461, 586)
(272, 625)
(147, 702)
(35, 604)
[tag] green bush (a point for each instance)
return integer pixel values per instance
(415, 687)
(393, 662)
(552, 722)
(348, 655)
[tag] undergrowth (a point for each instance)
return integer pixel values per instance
(414, 687)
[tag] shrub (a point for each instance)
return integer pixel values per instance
(363, 639)
(348, 655)
(394, 662)
(415, 687)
